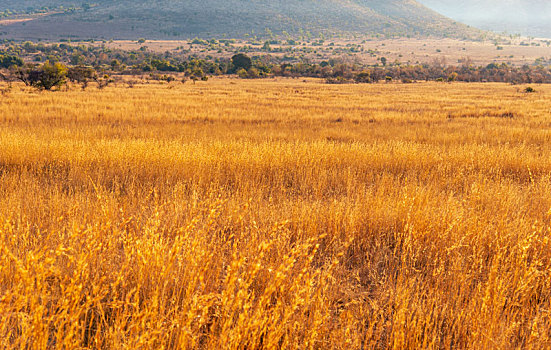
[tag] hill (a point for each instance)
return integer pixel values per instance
(163, 19)
(527, 17)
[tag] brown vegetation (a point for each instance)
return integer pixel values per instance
(275, 214)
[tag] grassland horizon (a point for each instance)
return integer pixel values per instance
(275, 213)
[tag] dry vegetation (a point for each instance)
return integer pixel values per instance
(262, 214)
(366, 50)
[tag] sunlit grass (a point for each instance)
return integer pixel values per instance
(276, 214)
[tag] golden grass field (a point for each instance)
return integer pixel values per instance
(276, 214)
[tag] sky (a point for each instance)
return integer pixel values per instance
(528, 17)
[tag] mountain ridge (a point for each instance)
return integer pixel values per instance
(125, 19)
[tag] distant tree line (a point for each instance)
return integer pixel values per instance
(344, 73)
(50, 66)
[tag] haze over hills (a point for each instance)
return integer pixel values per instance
(130, 19)
(527, 17)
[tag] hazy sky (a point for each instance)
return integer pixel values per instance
(531, 17)
(510, 10)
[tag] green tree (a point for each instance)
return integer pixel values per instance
(7, 61)
(242, 61)
(52, 75)
(46, 77)
(81, 74)
(77, 59)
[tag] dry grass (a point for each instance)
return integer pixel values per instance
(246, 215)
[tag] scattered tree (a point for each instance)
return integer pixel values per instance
(45, 77)
(51, 75)
(8, 61)
(241, 61)
(81, 75)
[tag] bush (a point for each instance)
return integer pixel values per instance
(80, 74)
(363, 77)
(253, 73)
(104, 81)
(242, 73)
(338, 80)
(529, 90)
(452, 77)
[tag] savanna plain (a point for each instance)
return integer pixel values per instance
(235, 214)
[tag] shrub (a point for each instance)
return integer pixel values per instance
(363, 77)
(104, 81)
(338, 80)
(253, 73)
(452, 77)
(242, 73)
(80, 74)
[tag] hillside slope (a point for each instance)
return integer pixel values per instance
(233, 18)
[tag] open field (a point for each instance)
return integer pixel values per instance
(276, 214)
(5, 22)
